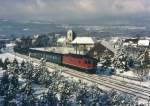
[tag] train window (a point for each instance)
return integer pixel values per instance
(53, 57)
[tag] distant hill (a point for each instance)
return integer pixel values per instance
(12, 28)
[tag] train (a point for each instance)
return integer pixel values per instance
(76, 61)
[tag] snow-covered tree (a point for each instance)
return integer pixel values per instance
(9, 88)
(130, 62)
(13, 67)
(94, 93)
(28, 70)
(141, 71)
(62, 91)
(4, 85)
(15, 62)
(41, 73)
(5, 64)
(51, 98)
(65, 93)
(22, 68)
(106, 59)
(122, 99)
(1, 63)
(120, 60)
(82, 95)
(26, 94)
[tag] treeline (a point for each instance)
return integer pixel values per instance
(43, 40)
(61, 91)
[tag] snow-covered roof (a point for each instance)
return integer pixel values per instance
(10, 45)
(115, 39)
(84, 40)
(61, 40)
(143, 42)
(125, 44)
(62, 50)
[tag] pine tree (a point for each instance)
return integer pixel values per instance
(1, 63)
(106, 59)
(120, 60)
(44, 73)
(27, 95)
(82, 95)
(4, 85)
(22, 68)
(51, 98)
(9, 89)
(6, 63)
(28, 71)
(15, 62)
(14, 81)
(23, 63)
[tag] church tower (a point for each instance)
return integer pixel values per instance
(70, 36)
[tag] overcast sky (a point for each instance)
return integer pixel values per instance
(73, 10)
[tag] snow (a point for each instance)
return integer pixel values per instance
(131, 74)
(84, 40)
(108, 45)
(143, 42)
(115, 39)
(11, 57)
(128, 73)
(85, 81)
(10, 45)
(40, 89)
(126, 44)
(61, 40)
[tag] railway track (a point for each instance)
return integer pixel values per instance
(123, 86)
(111, 84)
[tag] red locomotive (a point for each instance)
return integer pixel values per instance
(82, 62)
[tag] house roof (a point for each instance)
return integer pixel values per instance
(108, 45)
(99, 48)
(143, 42)
(133, 40)
(83, 40)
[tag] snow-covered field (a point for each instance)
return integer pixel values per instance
(11, 57)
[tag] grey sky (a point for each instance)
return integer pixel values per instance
(71, 10)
